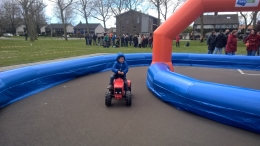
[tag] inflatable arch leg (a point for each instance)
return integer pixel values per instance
(187, 13)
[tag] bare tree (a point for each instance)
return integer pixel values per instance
(102, 11)
(168, 5)
(63, 8)
(117, 7)
(85, 10)
(255, 19)
(133, 5)
(29, 8)
(157, 4)
(12, 13)
(38, 16)
(247, 19)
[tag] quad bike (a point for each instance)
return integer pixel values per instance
(117, 91)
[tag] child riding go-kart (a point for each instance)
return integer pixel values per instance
(119, 86)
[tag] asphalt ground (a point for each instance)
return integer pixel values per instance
(74, 114)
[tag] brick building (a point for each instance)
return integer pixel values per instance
(133, 22)
(216, 22)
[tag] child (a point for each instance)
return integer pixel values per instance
(120, 68)
(187, 44)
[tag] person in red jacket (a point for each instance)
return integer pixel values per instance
(178, 41)
(258, 51)
(253, 40)
(231, 46)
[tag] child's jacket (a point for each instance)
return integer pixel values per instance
(123, 67)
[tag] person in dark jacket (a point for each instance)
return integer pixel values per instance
(130, 39)
(120, 68)
(94, 39)
(135, 40)
(126, 40)
(123, 40)
(87, 38)
(211, 42)
(114, 40)
(220, 43)
(253, 40)
(90, 39)
(231, 46)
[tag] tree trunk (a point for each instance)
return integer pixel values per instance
(158, 11)
(86, 18)
(255, 19)
(201, 26)
(64, 26)
(30, 27)
(35, 30)
(104, 21)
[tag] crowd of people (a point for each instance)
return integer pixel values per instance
(109, 39)
(228, 41)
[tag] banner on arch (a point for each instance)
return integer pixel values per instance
(247, 3)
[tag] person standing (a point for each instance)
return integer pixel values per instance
(231, 46)
(135, 40)
(99, 39)
(258, 50)
(139, 41)
(114, 40)
(26, 36)
(220, 43)
(87, 39)
(253, 40)
(126, 40)
(177, 41)
(102, 40)
(130, 39)
(226, 36)
(211, 42)
(94, 39)
(90, 40)
(123, 40)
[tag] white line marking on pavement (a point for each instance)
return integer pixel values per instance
(246, 73)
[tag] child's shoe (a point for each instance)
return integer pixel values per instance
(109, 87)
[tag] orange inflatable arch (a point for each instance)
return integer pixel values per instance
(184, 16)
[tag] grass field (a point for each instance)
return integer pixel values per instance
(16, 50)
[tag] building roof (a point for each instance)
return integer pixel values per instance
(219, 19)
(56, 26)
(90, 25)
(137, 12)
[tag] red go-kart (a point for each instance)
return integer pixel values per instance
(117, 91)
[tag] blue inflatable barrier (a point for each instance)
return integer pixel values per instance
(230, 105)
(240, 107)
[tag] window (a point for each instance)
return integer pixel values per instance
(138, 19)
(229, 26)
(198, 26)
(235, 26)
(208, 26)
(223, 26)
(217, 26)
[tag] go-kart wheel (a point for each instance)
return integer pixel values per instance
(108, 99)
(128, 99)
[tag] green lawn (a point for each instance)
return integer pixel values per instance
(18, 51)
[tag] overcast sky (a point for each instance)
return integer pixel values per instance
(109, 23)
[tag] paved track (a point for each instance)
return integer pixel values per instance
(74, 114)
